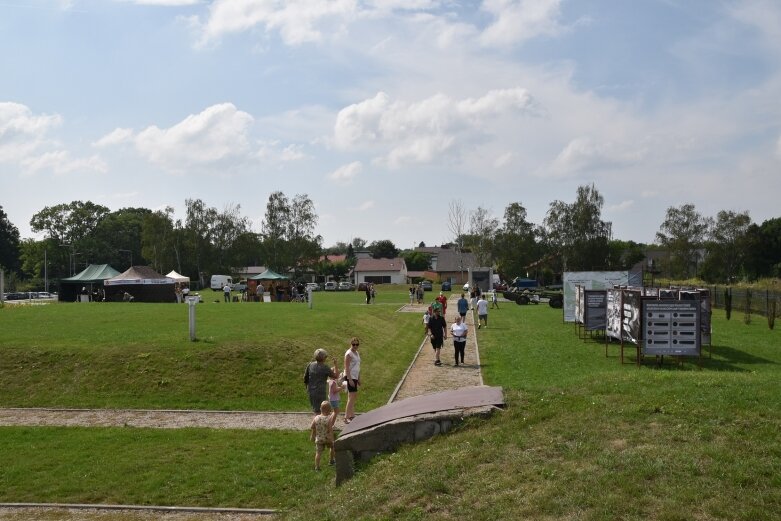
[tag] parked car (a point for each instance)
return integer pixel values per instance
(427, 285)
(345, 286)
(446, 286)
(313, 285)
(330, 286)
(240, 286)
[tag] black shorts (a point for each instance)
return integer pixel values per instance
(352, 388)
(436, 343)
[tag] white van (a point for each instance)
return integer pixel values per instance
(219, 281)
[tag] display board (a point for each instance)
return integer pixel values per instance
(594, 309)
(579, 304)
(589, 280)
(613, 311)
(631, 302)
(672, 327)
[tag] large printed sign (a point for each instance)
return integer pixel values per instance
(589, 280)
(672, 327)
(594, 309)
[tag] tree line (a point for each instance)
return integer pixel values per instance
(572, 237)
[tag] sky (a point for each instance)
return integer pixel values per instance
(384, 112)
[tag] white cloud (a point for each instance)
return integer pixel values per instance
(346, 173)
(275, 152)
(24, 141)
(420, 132)
(115, 137)
(297, 21)
(583, 154)
(166, 3)
(404, 219)
(503, 160)
(218, 134)
(517, 21)
(622, 206)
(60, 162)
(367, 205)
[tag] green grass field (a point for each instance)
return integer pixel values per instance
(583, 437)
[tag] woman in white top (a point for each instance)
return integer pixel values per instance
(459, 331)
(352, 374)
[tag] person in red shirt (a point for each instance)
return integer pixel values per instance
(442, 299)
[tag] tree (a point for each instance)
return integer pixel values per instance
(577, 230)
(9, 243)
(515, 246)
(416, 260)
(198, 236)
(727, 246)
(384, 249)
(456, 223)
(358, 244)
(117, 237)
(160, 243)
(482, 233)
(622, 255)
(72, 225)
(289, 241)
(683, 233)
(763, 249)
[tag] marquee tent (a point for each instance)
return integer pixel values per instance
(93, 275)
(277, 285)
(269, 275)
(181, 279)
(143, 283)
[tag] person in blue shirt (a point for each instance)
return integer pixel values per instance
(463, 307)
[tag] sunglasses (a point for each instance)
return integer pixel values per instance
(356, 345)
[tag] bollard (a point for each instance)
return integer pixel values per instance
(309, 297)
(191, 302)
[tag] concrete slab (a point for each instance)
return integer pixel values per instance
(463, 398)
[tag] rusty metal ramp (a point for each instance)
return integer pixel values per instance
(463, 398)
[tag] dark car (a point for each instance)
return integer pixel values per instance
(446, 286)
(427, 285)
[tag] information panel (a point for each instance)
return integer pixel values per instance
(595, 309)
(671, 327)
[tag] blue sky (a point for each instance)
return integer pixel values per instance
(384, 112)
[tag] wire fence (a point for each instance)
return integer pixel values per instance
(753, 301)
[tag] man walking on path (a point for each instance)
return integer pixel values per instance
(463, 307)
(494, 300)
(482, 312)
(437, 328)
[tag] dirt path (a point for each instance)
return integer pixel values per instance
(424, 377)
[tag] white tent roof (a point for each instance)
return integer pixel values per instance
(177, 277)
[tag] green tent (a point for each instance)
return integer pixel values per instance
(92, 274)
(269, 275)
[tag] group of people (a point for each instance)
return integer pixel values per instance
(371, 293)
(325, 384)
(435, 325)
(416, 293)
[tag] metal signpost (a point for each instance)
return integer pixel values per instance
(309, 297)
(191, 302)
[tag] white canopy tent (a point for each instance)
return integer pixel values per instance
(178, 278)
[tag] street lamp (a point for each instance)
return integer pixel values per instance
(70, 256)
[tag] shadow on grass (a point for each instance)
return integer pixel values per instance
(729, 359)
